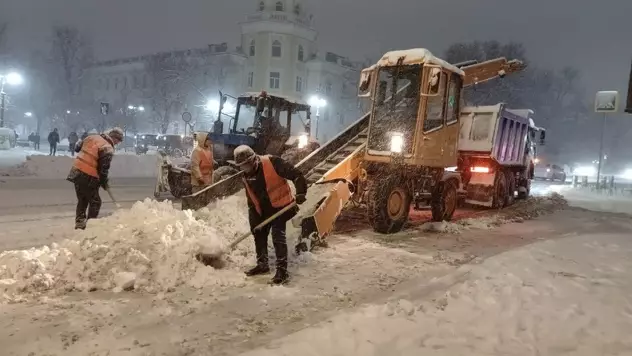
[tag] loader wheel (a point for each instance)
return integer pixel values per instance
(500, 191)
(444, 201)
(389, 205)
(511, 188)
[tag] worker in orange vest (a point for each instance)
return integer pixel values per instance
(90, 171)
(268, 191)
(202, 163)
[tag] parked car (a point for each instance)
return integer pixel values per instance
(550, 172)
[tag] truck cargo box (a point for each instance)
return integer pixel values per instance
(496, 132)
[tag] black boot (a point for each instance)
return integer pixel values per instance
(257, 270)
(280, 277)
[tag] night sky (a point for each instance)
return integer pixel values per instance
(595, 36)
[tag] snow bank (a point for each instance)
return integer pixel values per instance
(123, 165)
(596, 201)
(520, 211)
(14, 157)
(151, 248)
(536, 300)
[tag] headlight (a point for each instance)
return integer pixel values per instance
(181, 136)
(548, 170)
(397, 142)
(142, 137)
(164, 138)
(302, 141)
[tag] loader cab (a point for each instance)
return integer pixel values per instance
(414, 110)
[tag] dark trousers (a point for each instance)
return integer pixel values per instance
(53, 149)
(71, 148)
(87, 199)
(36, 145)
(279, 241)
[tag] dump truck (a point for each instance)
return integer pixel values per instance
(497, 149)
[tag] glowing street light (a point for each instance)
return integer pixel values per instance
(10, 78)
(67, 111)
(213, 106)
(317, 102)
(28, 114)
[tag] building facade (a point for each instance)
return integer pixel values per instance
(278, 53)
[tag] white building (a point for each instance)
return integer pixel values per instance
(278, 54)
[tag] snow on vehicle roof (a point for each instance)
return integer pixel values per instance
(288, 98)
(415, 56)
(5, 131)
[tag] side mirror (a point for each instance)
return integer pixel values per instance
(542, 137)
(432, 86)
(381, 93)
(364, 89)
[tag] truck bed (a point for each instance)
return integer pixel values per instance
(494, 131)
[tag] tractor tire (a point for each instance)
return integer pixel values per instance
(525, 194)
(224, 172)
(444, 201)
(388, 205)
(511, 188)
(500, 190)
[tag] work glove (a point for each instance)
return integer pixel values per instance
(300, 199)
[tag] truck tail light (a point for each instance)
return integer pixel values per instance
(479, 169)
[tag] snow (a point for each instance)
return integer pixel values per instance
(596, 201)
(20, 162)
(535, 300)
(150, 248)
(415, 56)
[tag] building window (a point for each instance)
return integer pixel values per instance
(328, 88)
(125, 83)
(279, 6)
(299, 84)
(99, 83)
(144, 81)
(275, 80)
(107, 84)
(252, 48)
(301, 53)
(276, 49)
(251, 79)
(116, 83)
(262, 6)
(297, 9)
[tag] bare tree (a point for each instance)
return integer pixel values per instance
(167, 87)
(70, 56)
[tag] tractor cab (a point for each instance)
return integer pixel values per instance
(259, 120)
(415, 109)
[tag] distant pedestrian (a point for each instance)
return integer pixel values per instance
(31, 138)
(37, 141)
(72, 141)
(53, 140)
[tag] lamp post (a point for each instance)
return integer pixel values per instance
(11, 79)
(317, 102)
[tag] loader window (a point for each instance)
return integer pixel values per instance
(398, 111)
(435, 107)
(452, 104)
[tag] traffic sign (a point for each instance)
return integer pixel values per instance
(607, 101)
(186, 117)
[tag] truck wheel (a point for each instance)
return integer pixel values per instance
(525, 194)
(444, 201)
(388, 205)
(500, 191)
(511, 188)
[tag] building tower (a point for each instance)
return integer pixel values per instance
(278, 40)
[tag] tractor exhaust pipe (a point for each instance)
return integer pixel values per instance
(628, 105)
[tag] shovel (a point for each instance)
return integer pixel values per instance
(215, 259)
(112, 197)
(193, 201)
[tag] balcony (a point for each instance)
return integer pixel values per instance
(280, 17)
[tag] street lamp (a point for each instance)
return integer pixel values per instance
(317, 102)
(28, 114)
(10, 78)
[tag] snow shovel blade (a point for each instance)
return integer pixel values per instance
(215, 259)
(204, 197)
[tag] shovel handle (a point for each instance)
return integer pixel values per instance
(260, 226)
(112, 197)
(209, 187)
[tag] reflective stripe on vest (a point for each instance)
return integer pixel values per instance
(277, 187)
(87, 160)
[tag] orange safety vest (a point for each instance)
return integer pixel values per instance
(277, 187)
(206, 163)
(87, 160)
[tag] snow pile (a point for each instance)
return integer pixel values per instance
(151, 248)
(520, 211)
(123, 165)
